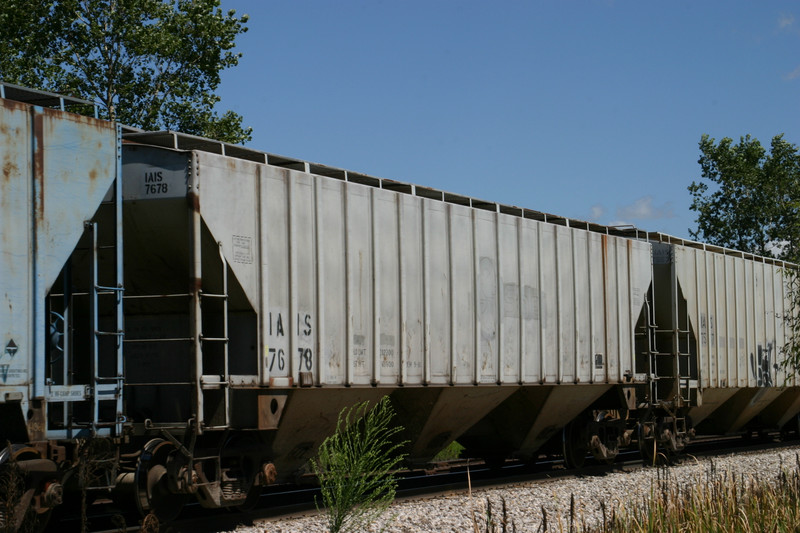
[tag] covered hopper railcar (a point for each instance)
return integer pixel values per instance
(61, 368)
(729, 314)
(186, 319)
(320, 288)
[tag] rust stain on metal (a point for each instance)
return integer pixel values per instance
(269, 473)
(14, 105)
(59, 115)
(56, 117)
(36, 422)
(10, 155)
(193, 200)
(38, 165)
(9, 169)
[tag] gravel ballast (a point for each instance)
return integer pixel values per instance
(525, 501)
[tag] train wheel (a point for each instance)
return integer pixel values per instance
(647, 443)
(21, 509)
(251, 502)
(153, 494)
(242, 455)
(574, 443)
(603, 440)
(254, 494)
(18, 515)
(36, 522)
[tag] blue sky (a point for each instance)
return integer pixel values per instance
(591, 110)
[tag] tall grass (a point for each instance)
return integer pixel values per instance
(712, 502)
(718, 503)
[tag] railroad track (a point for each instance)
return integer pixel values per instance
(440, 479)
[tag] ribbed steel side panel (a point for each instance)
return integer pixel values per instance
(736, 307)
(387, 288)
(56, 169)
(16, 262)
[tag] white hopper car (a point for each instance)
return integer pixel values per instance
(189, 317)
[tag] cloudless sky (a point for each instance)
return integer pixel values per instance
(591, 110)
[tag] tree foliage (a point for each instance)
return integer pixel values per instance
(355, 466)
(749, 199)
(153, 64)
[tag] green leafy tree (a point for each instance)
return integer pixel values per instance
(749, 199)
(355, 466)
(153, 64)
